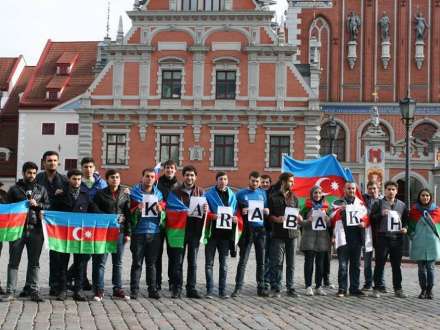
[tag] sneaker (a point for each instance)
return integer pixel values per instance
(87, 286)
(193, 293)
(154, 294)
(223, 295)
(8, 297)
(120, 294)
(61, 296)
(375, 294)
(309, 291)
(292, 293)
(320, 292)
(367, 289)
(79, 296)
(341, 293)
(24, 294)
(357, 293)
(35, 296)
(276, 293)
(400, 294)
(329, 286)
(176, 293)
(53, 292)
(429, 294)
(209, 295)
(134, 295)
(422, 294)
(2, 292)
(236, 293)
(382, 290)
(99, 295)
(261, 292)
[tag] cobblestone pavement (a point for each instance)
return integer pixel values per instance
(246, 312)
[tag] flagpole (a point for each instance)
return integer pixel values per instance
(205, 218)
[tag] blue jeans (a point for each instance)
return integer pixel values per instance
(222, 246)
(426, 274)
(349, 255)
(268, 275)
(99, 261)
(278, 249)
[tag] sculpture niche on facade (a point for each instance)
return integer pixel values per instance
(421, 26)
(353, 27)
(384, 24)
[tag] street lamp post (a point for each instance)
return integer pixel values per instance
(407, 111)
(333, 127)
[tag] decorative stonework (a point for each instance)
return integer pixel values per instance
(196, 153)
(252, 127)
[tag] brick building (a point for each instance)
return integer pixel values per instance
(208, 82)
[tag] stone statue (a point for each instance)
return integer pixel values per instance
(353, 25)
(421, 26)
(384, 24)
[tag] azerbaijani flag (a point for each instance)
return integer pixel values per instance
(81, 233)
(12, 220)
(325, 172)
(175, 225)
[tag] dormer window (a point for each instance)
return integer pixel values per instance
(63, 69)
(52, 95)
(66, 62)
(201, 5)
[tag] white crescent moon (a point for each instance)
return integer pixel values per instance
(319, 182)
(75, 233)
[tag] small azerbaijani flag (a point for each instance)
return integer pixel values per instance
(12, 220)
(177, 216)
(81, 233)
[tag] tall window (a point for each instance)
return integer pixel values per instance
(224, 151)
(171, 84)
(279, 145)
(225, 84)
(338, 142)
(116, 149)
(169, 148)
(424, 132)
(48, 128)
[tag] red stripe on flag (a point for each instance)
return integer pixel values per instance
(12, 220)
(176, 219)
(84, 234)
(331, 185)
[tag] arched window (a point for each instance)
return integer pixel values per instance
(384, 129)
(338, 142)
(424, 132)
(319, 34)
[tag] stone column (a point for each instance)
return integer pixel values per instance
(312, 129)
(436, 169)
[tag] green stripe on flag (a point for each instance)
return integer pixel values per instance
(82, 247)
(176, 237)
(10, 234)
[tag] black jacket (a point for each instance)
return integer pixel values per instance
(59, 182)
(165, 185)
(66, 203)
(120, 204)
(17, 193)
(277, 206)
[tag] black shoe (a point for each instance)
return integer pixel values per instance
(276, 293)
(8, 297)
(2, 292)
(134, 295)
(24, 294)
(61, 296)
(382, 289)
(341, 293)
(292, 293)
(429, 294)
(422, 294)
(159, 287)
(223, 295)
(236, 293)
(87, 286)
(70, 286)
(194, 294)
(209, 295)
(53, 292)
(357, 293)
(79, 296)
(261, 292)
(35, 296)
(176, 293)
(154, 294)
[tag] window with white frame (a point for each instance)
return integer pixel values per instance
(224, 150)
(225, 85)
(279, 145)
(171, 84)
(169, 147)
(116, 149)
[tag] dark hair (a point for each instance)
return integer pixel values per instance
(391, 183)
(265, 177)
(74, 172)
(219, 174)
(254, 174)
(189, 168)
(87, 160)
(285, 176)
(350, 182)
(170, 163)
(372, 183)
(148, 170)
(50, 153)
(425, 190)
(110, 172)
(29, 166)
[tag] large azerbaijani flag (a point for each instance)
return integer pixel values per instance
(177, 216)
(12, 220)
(325, 172)
(83, 233)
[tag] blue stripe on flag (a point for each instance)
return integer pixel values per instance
(97, 220)
(20, 207)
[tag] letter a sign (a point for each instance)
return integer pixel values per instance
(255, 213)
(196, 207)
(291, 218)
(394, 223)
(353, 215)
(318, 220)
(149, 203)
(224, 217)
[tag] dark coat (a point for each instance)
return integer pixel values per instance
(59, 182)
(66, 203)
(165, 185)
(277, 206)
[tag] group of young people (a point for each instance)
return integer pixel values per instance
(353, 224)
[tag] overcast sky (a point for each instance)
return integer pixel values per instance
(26, 25)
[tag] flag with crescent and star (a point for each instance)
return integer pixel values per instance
(81, 233)
(12, 220)
(325, 172)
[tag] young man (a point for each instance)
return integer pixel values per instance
(283, 240)
(386, 215)
(349, 221)
(253, 233)
(54, 184)
(112, 199)
(166, 183)
(193, 233)
(72, 199)
(219, 195)
(32, 238)
(145, 238)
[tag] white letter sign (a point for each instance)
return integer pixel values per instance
(353, 215)
(291, 218)
(394, 223)
(196, 207)
(318, 220)
(256, 211)
(149, 203)
(224, 217)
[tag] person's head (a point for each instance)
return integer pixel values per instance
(254, 180)
(425, 197)
(148, 177)
(316, 193)
(29, 170)
(74, 176)
(373, 189)
(350, 189)
(390, 190)
(88, 167)
(50, 160)
(222, 180)
(286, 181)
(113, 178)
(189, 174)
(266, 182)
(169, 168)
